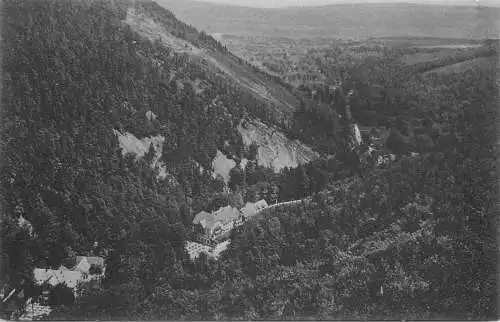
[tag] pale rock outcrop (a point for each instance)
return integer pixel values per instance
(131, 144)
(275, 150)
(222, 165)
(151, 116)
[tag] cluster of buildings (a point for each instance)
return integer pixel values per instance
(210, 230)
(216, 226)
(211, 236)
(87, 273)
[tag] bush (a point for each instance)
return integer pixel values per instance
(398, 143)
(61, 294)
(95, 270)
(424, 143)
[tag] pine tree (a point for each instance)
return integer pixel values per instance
(150, 155)
(304, 183)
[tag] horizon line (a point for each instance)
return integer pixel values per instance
(478, 4)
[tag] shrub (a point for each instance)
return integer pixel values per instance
(61, 294)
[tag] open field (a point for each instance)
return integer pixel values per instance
(358, 21)
(461, 46)
(428, 53)
(428, 42)
(423, 57)
(480, 62)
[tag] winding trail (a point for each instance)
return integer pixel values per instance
(291, 202)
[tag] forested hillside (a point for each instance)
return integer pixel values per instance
(415, 239)
(152, 21)
(72, 72)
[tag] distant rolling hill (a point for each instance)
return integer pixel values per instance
(480, 63)
(342, 20)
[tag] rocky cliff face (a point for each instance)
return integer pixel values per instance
(275, 149)
(353, 136)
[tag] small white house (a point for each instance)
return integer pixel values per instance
(54, 277)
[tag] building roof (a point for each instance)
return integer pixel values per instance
(82, 265)
(92, 260)
(251, 209)
(200, 216)
(208, 222)
(22, 222)
(226, 214)
(221, 216)
(54, 277)
(261, 204)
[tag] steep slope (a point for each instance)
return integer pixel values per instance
(149, 20)
(81, 89)
(275, 151)
(154, 23)
(82, 93)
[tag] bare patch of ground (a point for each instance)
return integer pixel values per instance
(222, 166)
(147, 27)
(130, 144)
(217, 62)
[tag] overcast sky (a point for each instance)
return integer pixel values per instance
(285, 3)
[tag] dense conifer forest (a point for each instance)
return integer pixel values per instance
(413, 240)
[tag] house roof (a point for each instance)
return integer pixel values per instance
(22, 222)
(261, 204)
(223, 215)
(200, 216)
(92, 260)
(226, 214)
(251, 209)
(208, 222)
(54, 277)
(82, 265)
